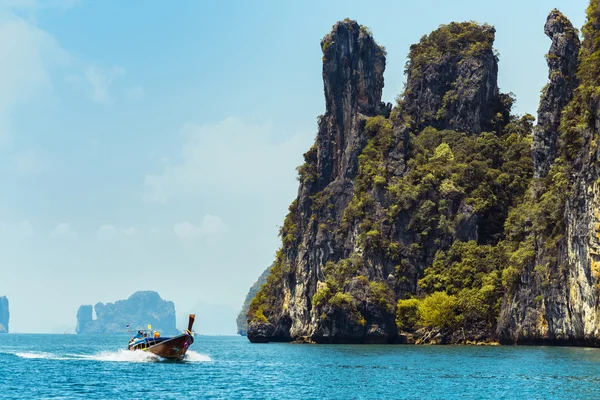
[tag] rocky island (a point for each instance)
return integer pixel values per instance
(138, 311)
(242, 324)
(4, 314)
(444, 218)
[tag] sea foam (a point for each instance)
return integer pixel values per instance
(39, 355)
(192, 356)
(113, 356)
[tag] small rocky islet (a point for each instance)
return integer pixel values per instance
(444, 218)
(241, 321)
(4, 314)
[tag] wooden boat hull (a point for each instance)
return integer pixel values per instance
(171, 349)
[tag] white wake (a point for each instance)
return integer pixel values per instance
(40, 355)
(119, 356)
(192, 356)
(113, 356)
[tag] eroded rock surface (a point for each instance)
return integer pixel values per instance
(562, 62)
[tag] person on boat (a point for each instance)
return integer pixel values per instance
(156, 334)
(139, 335)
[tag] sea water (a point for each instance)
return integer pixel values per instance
(98, 367)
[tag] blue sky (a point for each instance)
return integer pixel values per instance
(150, 145)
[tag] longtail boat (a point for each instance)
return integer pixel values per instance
(170, 348)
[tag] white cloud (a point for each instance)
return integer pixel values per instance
(211, 225)
(35, 5)
(29, 162)
(63, 230)
(25, 228)
(22, 229)
(134, 92)
(28, 54)
(130, 231)
(185, 229)
(30, 57)
(229, 157)
(18, 4)
(109, 231)
(100, 81)
(106, 231)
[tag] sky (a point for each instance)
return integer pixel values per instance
(152, 145)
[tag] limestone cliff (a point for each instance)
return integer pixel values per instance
(556, 295)
(385, 193)
(353, 66)
(85, 319)
(446, 219)
(138, 311)
(4, 314)
(562, 65)
(241, 322)
(452, 81)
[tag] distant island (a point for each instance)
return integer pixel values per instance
(138, 311)
(242, 323)
(4, 314)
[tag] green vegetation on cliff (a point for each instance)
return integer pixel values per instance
(453, 191)
(241, 321)
(456, 39)
(436, 221)
(541, 215)
(578, 116)
(267, 298)
(451, 178)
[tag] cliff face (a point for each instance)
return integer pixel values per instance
(562, 65)
(138, 311)
(241, 322)
(446, 219)
(452, 81)
(353, 66)
(556, 296)
(85, 320)
(4, 314)
(385, 194)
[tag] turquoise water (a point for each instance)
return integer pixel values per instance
(96, 367)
